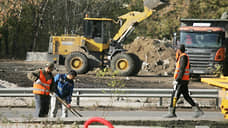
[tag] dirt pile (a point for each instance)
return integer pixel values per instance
(157, 55)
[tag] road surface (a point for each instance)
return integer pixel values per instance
(126, 118)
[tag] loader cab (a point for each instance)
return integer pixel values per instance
(98, 29)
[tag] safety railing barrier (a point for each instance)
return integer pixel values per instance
(115, 92)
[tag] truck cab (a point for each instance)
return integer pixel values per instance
(206, 44)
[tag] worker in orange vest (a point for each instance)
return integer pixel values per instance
(180, 85)
(42, 86)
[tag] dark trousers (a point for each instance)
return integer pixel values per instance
(42, 105)
(182, 88)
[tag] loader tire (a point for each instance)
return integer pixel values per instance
(137, 62)
(124, 64)
(78, 62)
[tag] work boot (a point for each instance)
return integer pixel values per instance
(171, 113)
(198, 111)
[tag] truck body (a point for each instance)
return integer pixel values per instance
(206, 44)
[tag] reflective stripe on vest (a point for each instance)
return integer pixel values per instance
(42, 86)
(177, 70)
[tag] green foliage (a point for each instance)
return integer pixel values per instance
(113, 83)
(208, 9)
(106, 72)
(218, 71)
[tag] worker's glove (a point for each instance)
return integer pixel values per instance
(175, 82)
(38, 81)
(175, 85)
(53, 94)
(68, 106)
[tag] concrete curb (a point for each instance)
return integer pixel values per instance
(129, 122)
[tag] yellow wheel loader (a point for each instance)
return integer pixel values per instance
(96, 48)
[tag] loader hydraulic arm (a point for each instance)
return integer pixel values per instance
(131, 19)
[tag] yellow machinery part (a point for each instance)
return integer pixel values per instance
(122, 64)
(218, 82)
(76, 63)
(64, 45)
(132, 18)
(94, 46)
(223, 93)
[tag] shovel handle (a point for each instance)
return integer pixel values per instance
(73, 111)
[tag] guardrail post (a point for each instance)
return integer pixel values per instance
(78, 97)
(217, 103)
(160, 103)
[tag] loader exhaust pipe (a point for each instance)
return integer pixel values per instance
(155, 4)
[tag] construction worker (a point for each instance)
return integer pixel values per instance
(43, 84)
(65, 85)
(180, 83)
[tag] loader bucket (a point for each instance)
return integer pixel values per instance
(155, 4)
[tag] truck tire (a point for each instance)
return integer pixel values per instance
(78, 62)
(225, 68)
(124, 64)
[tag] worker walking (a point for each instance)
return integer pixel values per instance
(43, 84)
(180, 85)
(64, 90)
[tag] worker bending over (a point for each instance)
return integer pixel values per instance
(64, 90)
(42, 86)
(180, 84)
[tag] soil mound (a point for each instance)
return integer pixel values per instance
(158, 56)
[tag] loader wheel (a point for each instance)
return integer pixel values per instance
(123, 63)
(77, 61)
(137, 62)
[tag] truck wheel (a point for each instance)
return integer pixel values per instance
(77, 61)
(225, 69)
(123, 63)
(138, 63)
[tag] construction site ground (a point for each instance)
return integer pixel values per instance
(158, 64)
(13, 73)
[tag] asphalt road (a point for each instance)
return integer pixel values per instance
(140, 118)
(187, 115)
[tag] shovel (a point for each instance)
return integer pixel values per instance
(73, 111)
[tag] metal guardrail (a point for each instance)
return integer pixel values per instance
(115, 92)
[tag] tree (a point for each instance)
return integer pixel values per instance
(9, 10)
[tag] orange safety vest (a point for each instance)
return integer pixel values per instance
(186, 73)
(43, 86)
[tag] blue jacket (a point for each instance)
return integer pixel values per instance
(64, 87)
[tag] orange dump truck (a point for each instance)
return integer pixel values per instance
(206, 44)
